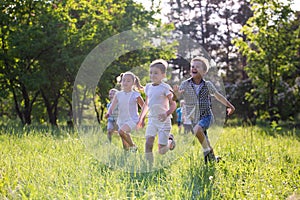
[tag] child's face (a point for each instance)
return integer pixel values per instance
(127, 82)
(198, 69)
(111, 94)
(156, 76)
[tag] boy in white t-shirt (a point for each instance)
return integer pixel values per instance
(160, 104)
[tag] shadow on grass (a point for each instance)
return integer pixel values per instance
(194, 182)
(199, 180)
(21, 131)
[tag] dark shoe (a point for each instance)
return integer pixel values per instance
(210, 157)
(173, 143)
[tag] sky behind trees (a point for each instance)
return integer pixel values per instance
(165, 7)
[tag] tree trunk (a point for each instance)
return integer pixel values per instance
(24, 114)
(96, 111)
(271, 103)
(51, 109)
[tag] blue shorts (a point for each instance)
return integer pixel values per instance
(206, 122)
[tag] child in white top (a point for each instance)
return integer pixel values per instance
(127, 101)
(186, 119)
(161, 105)
(112, 119)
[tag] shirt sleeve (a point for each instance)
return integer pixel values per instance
(146, 89)
(137, 94)
(168, 90)
(181, 87)
(212, 89)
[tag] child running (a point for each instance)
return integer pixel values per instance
(127, 101)
(112, 119)
(179, 115)
(160, 104)
(197, 94)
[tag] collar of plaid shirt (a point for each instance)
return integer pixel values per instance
(197, 87)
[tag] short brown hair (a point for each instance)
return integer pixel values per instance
(160, 64)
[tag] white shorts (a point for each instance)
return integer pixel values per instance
(161, 128)
(130, 123)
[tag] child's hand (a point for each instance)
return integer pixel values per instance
(162, 117)
(230, 110)
(106, 115)
(177, 90)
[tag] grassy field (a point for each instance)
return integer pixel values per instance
(257, 163)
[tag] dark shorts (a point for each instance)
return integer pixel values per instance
(179, 123)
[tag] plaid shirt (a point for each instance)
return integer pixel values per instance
(201, 102)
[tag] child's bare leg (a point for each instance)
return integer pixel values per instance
(207, 149)
(149, 149)
(162, 149)
(124, 133)
(125, 144)
(199, 133)
(109, 134)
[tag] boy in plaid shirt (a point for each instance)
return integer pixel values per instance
(197, 96)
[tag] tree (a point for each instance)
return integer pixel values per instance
(271, 46)
(43, 44)
(20, 49)
(213, 25)
(126, 15)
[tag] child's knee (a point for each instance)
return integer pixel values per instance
(149, 143)
(162, 149)
(122, 133)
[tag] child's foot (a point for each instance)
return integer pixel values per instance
(210, 156)
(133, 149)
(172, 143)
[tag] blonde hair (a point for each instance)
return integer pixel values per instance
(160, 64)
(203, 60)
(136, 80)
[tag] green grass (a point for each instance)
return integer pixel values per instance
(257, 163)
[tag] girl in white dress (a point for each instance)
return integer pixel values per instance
(127, 101)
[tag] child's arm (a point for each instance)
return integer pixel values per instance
(163, 117)
(225, 102)
(111, 107)
(177, 91)
(140, 101)
(143, 113)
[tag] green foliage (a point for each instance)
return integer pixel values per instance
(238, 95)
(213, 25)
(271, 47)
(258, 163)
(43, 44)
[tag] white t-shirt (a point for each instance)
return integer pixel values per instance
(158, 102)
(127, 105)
